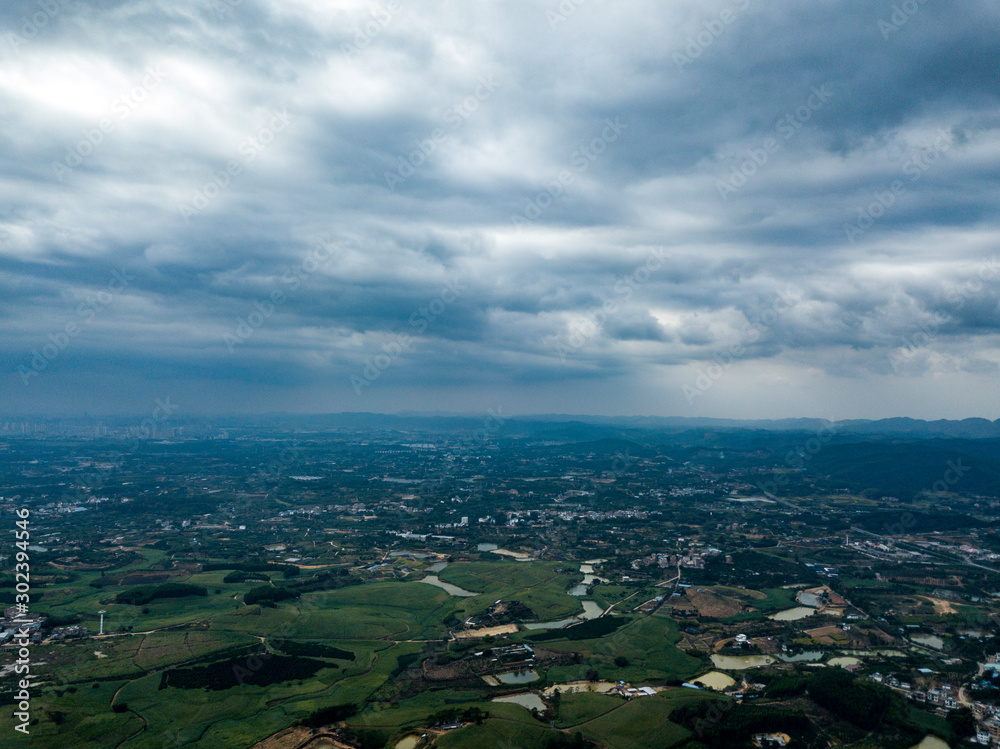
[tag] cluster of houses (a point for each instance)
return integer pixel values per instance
(623, 689)
(692, 560)
(946, 697)
(68, 633)
(12, 623)
(510, 655)
(770, 740)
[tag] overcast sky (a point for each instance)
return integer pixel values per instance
(743, 208)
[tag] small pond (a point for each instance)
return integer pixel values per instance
(791, 615)
(740, 662)
(519, 677)
(529, 700)
(452, 590)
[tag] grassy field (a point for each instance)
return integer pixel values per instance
(931, 723)
(364, 612)
(648, 644)
(536, 584)
(131, 656)
(578, 707)
(79, 679)
(642, 723)
(414, 711)
(509, 727)
(384, 624)
(607, 595)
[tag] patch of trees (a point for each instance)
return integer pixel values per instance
(587, 630)
(860, 704)
(315, 649)
(328, 715)
(241, 577)
(271, 669)
(60, 620)
(576, 741)
(857, 701)
(265, 595)
(454, 715)
(784, 686)
(403, 662)
(893, 522)
(962, 722)
(765, 570)
(141, 594)
(326, 581)
(368, 738)
(728, 725)
(987, 689)
(289, 570)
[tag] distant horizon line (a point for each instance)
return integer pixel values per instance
(496, 414)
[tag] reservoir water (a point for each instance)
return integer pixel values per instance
(528, 699)
(452, 590)
(520, 677)
(716, 680)
(740, 662)
(806, 657)
(932, 641)
(591, 610)
(791, 615)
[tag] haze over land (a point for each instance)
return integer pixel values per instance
(547, 582)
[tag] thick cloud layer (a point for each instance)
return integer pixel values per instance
(728, 208)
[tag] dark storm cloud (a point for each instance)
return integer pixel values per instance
(489, 197)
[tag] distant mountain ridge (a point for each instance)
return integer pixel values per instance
(596, 427)
(571, 427)
(974, 428)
